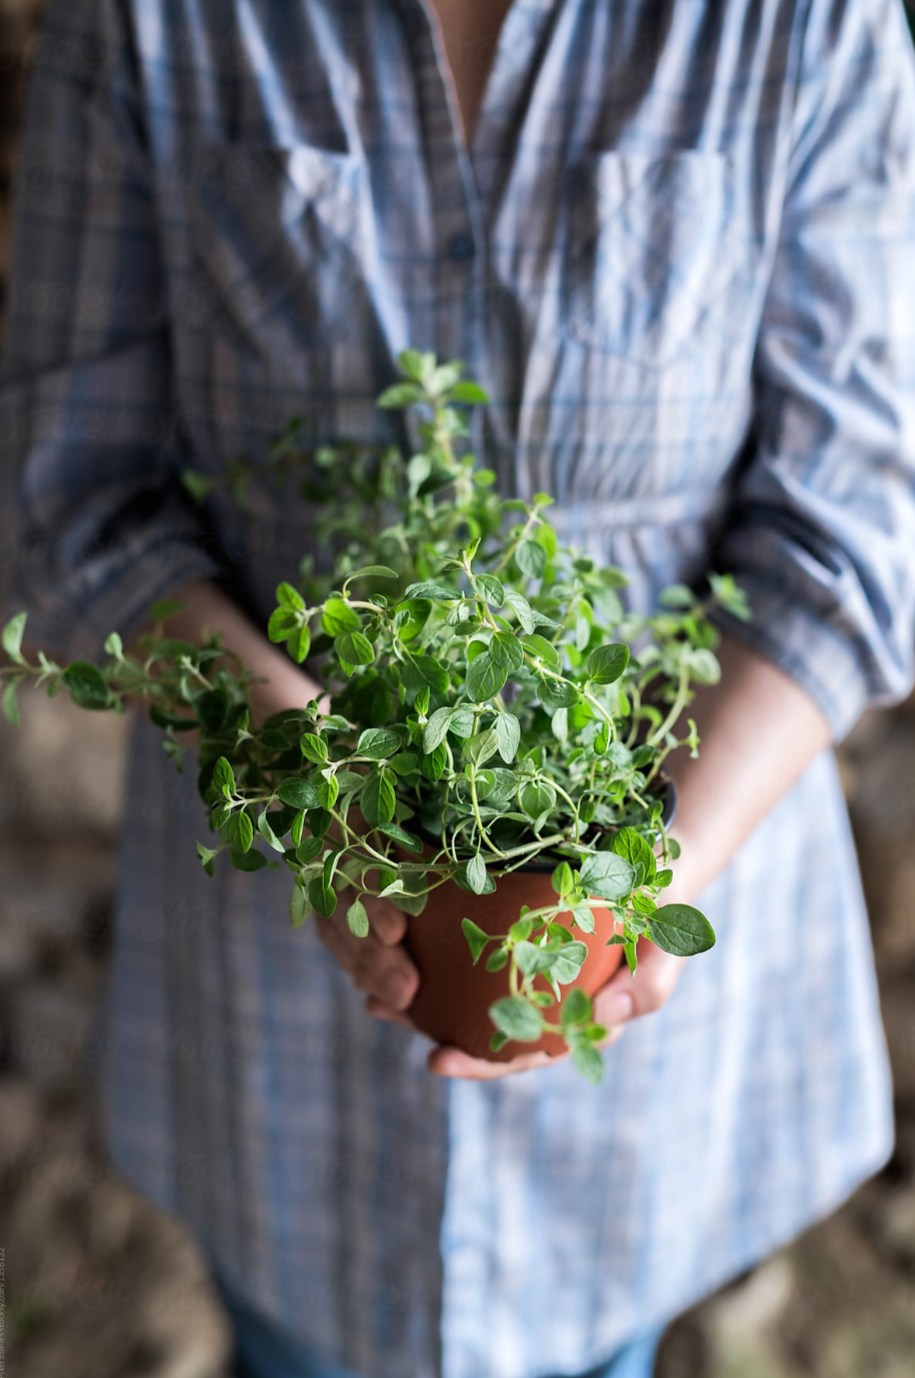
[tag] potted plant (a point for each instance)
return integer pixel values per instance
(493, 756)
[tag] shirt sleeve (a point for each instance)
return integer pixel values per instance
(821, 534)
(89, 445)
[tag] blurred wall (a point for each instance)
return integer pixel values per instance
(100, 1285)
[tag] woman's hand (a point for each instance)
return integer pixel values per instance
(378, 964)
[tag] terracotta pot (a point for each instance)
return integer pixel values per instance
(452, 1004)
(454, 996)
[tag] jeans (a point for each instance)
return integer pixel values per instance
(262, 1351)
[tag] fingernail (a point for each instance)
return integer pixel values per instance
(617, 1009)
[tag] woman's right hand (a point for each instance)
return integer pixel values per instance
(378, 964)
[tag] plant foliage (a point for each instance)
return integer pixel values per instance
(493, 701)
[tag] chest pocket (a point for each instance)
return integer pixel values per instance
(653, 266)
(277, 244)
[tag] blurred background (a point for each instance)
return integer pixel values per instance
(99, 1284)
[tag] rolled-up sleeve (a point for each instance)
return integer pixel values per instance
(90, 446)
(822, 529)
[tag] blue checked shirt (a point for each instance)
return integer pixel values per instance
(680, 254)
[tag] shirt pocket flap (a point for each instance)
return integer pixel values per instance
(275, 236)
(654, 246)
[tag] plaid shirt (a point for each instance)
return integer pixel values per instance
(680, 255)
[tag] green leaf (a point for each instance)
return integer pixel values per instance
(461, 879)
(164, 608)
(530, 559)
(298, 793)
(533, 960)
(438, 593)
(676, 596)
(508, 734)
(207, 857)
(556, 693)
(434, 674)
(357, 919)
(354, 648)
(506, 650)
(517, 1019)
(378, 799)
(476, 939)
(224, 778)
(10, 704)
(433, 765)
(399, 395)
(485, 678)
(114, 645)
(576, 1008)
(703, 665)
(323, 897)
(481, 746)
(492, 589)
(497, 959)
(299, 645)
(681, 930)
(463, 721)
(521, 608)
(282, 625)
(436, 729)
(212, 709)
(289, 597)
(403, 763)
(544, 650)
(308, 849)
(569, 958)
(378, 743)
(562, 880)
(521, 929)
(606, 875)
(469, 392)
(314, 748)
(299, 908)
(240, 831)
(88, 686)
(339, 617)
(536, 798)
(477, 875)
(328, 788)
(399, 834)
(247, 861)
(267, 833)
(297, 827)
(632, 846)
(416, 364)
(372, 572)
(12, 638)
(588, 1062)
(607, 663)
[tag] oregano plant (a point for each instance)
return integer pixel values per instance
(493, 702)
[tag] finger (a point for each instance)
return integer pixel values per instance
(382, 1011)
(389, 924)
(387, 973)
(628, 997)
(446, 1061)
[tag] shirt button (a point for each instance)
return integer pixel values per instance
(460, 247)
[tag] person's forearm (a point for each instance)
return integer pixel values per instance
(759, 731)
(209, 609)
